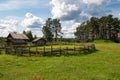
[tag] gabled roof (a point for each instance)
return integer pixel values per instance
(37, 39)
(18, 36)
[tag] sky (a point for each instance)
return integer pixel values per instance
(20, 15)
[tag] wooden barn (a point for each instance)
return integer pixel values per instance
(17, 39)
(39, 41)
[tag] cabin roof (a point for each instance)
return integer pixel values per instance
(37, 39)
(18, 36)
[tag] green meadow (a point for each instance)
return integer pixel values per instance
(103, 64)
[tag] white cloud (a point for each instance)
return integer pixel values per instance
(32, 21)
(65, 9)
(98, 2)
(78, 10)
(7, 26)
(96, 7)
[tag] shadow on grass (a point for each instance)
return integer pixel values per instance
(1, 75)
(89, 52)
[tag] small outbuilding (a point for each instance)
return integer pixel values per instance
(17, 39)
(39, 41)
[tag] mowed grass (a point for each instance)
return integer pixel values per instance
(103, 64)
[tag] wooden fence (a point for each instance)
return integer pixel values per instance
(50, 50)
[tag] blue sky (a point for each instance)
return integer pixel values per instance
(19, 15)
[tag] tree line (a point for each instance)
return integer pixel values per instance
(105, 27)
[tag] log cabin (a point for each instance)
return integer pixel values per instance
(17, 39)
(39, 41)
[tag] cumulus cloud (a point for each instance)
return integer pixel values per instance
(96, 7)
(32, 21)
(65, 9)
(7, 26)
(74, 9)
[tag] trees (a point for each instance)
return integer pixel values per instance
(105, 27)
(93, 25)
(52, 29)
(29, 35)
(56, 28)
(80, 32)
(47, 33)
(35, 36)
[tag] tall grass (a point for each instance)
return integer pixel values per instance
(101, 65)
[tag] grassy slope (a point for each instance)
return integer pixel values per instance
(101, 65)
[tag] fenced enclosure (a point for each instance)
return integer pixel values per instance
(51, 50)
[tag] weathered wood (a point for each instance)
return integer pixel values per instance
(83, 48)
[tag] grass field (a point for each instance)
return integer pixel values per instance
(103, 64)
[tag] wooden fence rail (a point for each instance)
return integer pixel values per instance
(51, 50)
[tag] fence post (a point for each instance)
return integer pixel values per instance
(44, 50)
(74, 50)
(29, 51)
(51, 49)
(79, 51)
(67, 50)
(7, 50)
(15, 50)
(36, 50)
(60, 50)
